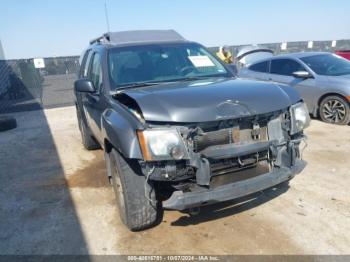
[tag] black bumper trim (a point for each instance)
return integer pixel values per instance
(181, 201)
(233, 150)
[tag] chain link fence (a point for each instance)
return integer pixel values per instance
(25, 87)
(292, 47)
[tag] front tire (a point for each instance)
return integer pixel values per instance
(136, 211)
(335, 110)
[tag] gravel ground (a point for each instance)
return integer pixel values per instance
(55, 199)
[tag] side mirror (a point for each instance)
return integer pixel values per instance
(233, 69)
(7, 123)
(302, 74)
(84, 85)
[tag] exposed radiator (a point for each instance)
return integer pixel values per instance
(228, 136)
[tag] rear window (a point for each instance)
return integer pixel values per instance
(86, 64)
(262, 67)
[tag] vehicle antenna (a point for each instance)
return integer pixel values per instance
(106, 15)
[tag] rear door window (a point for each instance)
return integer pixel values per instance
(86, 64)
(96, 72)
(285, 67)
(262, 67)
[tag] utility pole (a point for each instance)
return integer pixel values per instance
(106, 15)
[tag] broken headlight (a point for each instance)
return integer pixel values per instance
(300, 118)
(162, 144)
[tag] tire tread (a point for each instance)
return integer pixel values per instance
(139, 212)
(343, 100)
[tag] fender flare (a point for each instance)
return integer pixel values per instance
(119, 129)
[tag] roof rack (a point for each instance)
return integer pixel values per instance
(103, 38)
(139, 36)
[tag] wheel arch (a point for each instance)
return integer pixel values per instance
(321, 98)
(119, 132)
(330, 94)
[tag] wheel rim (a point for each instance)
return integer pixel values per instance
(117, 185)
(82, 129)
(334, 111)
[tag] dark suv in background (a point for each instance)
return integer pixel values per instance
(178, 129)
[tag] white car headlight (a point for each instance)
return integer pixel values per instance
(162, 144)
(300, 118)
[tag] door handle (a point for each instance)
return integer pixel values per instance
(92, 98)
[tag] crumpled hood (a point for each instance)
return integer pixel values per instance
(210, 100)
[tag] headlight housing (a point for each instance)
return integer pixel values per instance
(300, 118)
(162, 144)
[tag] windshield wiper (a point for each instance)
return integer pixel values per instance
(193, 78)
(143, 84)
(136, 85)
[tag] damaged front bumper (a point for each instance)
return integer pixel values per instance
(180, 200)
(230, 161)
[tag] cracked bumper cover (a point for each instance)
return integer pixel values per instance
(180, 200)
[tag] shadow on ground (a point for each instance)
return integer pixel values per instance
(230, 208)
(37, 216)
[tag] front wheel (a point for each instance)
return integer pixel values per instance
(136, 197)
(335, 110)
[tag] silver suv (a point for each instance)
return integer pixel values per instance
(322, 79)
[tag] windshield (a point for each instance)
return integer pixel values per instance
(328, 64)
(161, 63)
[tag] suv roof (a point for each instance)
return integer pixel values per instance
(138, 37)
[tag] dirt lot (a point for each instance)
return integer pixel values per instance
(55, 199)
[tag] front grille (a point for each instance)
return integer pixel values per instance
(227, 166)
(260, 168)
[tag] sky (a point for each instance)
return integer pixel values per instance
(42, 28)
